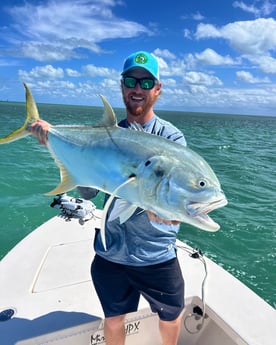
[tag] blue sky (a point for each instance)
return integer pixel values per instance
(214, 55)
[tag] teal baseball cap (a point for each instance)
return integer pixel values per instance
(144, 60)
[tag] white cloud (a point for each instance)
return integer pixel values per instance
(56, 86)
(249, 78)
(170, 82)
(72, 73)
(232, 100)
(207, 31)
(163, 66)
(55, 30)
(190, 61)
(198, 90)
(197, 16)
(187, 33)
(46, 51)
(247, 8)
(247, 37)
(43, 72)
(254, 40)
(56, 89)
(210, 57)
(63, 30)
(165, 53)
(94, 71)
(252, 37)
(268, 7)
(110, 84)
(266, 63)
(265, 9)
(200, 78)
(174, 68)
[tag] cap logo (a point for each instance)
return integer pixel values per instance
(141, 58)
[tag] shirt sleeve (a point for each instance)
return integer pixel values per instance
(168, 130)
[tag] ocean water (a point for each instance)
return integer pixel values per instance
(240, 149)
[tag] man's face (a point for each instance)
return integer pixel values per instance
(139, 101)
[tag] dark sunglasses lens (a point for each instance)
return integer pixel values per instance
(147, 83)
(130, 82)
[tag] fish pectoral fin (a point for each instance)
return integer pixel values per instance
(107, 205)
(67, 181)
(125, 215)
(123, 210)
(32, 115)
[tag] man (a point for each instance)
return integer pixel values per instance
(140, 258)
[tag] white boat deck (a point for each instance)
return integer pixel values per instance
(46, 280)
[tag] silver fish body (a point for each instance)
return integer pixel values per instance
(151, 172)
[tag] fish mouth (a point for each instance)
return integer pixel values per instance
(198, 213)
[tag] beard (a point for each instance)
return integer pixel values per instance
(138, 109)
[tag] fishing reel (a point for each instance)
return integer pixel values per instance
(74, 208)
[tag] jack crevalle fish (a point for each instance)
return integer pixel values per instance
(145, 170)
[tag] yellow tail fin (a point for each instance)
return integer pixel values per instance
(32, 115)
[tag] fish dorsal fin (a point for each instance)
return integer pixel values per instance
(109, 117)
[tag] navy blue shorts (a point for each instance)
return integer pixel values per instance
(119, 287)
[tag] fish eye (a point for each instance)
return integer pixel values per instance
(147, 163)
(202, 183)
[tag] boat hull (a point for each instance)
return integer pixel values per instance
(46, 281)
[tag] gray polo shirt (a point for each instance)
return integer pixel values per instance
(136, 242)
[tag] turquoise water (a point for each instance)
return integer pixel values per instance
(241, 150)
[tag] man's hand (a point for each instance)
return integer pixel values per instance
(40, 130)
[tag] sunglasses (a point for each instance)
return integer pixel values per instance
(145, 83)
